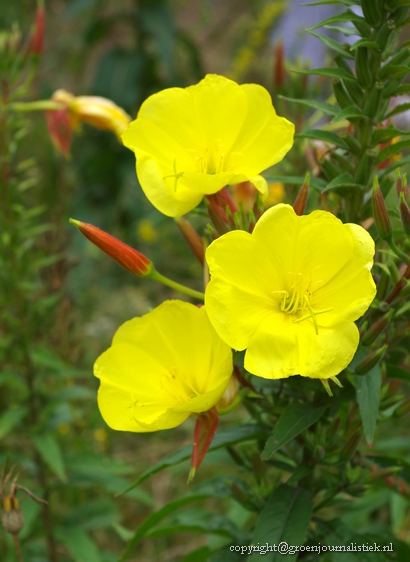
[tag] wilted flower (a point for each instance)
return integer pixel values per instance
(290, 292)
(192, 142)
(98, 112)
(161, 368)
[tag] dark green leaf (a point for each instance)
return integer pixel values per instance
(50, 452)
(392, 150)
(322, 2)
(94, 514)
(200, 522)
(326, 136)
(368, 397)
(79, 544)
(201, 554)
(225, 437)
(394, 71)
(349, 113)
(229, 554)
(334, 45)
(284, 518)
(316, 183)
(10, 419)
(403, 89)
(324, 107)
(391, 167)
(347, 31)
(396, 372)
(296, 417)
(330, 72)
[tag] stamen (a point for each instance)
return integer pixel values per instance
(312, 314)
(336, 381)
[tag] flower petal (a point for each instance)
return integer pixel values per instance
(265, 138)
(280, 348)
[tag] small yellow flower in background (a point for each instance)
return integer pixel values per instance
(192, 142)
(289, 293)
(161, 368)
(146, 231)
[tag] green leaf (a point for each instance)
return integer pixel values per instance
(346, 31)
(200, 522)
(347, 16)
(10, 419)
(398, 109)
(365, 43)
(343, 181)
(403, 89)
(317, 183)
(94, 514)
(392, 150)
(396, 372)
(321, 2)
(79, 544)
(351, 112)
(324, 107)
(201, 554)
(330, 72)
(50, 452)
(380, 136)
(368, 397)
(284, 518)
(224, 438)
(295, 418)
(332, 44)
(326, 136)
(394, 71)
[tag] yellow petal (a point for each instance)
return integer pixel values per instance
(280, 348)
(265, 138)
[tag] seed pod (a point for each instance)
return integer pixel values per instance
(364, 76)
(12, 515)
(380, 213)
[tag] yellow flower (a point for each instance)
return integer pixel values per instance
(290, 292)
(161, 368)
(192, 142)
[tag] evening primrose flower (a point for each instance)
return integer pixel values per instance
(161, 368)
(289, 293)
(191, 142)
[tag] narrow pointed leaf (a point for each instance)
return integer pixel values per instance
(295, 418)
(50, 452)
(368, 397)
(326, 136)
(392, 150)
(324, 107)
(351, 112)
(284, 518)
(334, 45)
(330, 72)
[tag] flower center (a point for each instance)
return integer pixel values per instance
(297, 301)
(211, 160)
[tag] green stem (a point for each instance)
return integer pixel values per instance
(40, 105)
(398, 252)
(177, 286)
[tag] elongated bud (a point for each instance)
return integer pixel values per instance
(37, 42)
(299, 205)
(378, 327)
(192, 237)
(364, 76)
(404, 214)
(350, 447)
(372, 11)
(12, 515)
(205, 428)
(380, 213)
(127, 257)
(371, 361)
(218, 218)
(401, 185)
(279, 70)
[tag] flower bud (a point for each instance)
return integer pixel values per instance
(370, 361)
(12, 515)
(127, 257)
(192, 237)
(205, 428)
(279, 71)
(372, 11)
(378, 327)
(299, 205)
(404, 214)
(37, 41)
(380, 213)
(364, 76)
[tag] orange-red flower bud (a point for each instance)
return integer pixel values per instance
(59, 129)
(37, 42)
(404, 213)
(381, 215)
(205, 428)
(127, 257)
